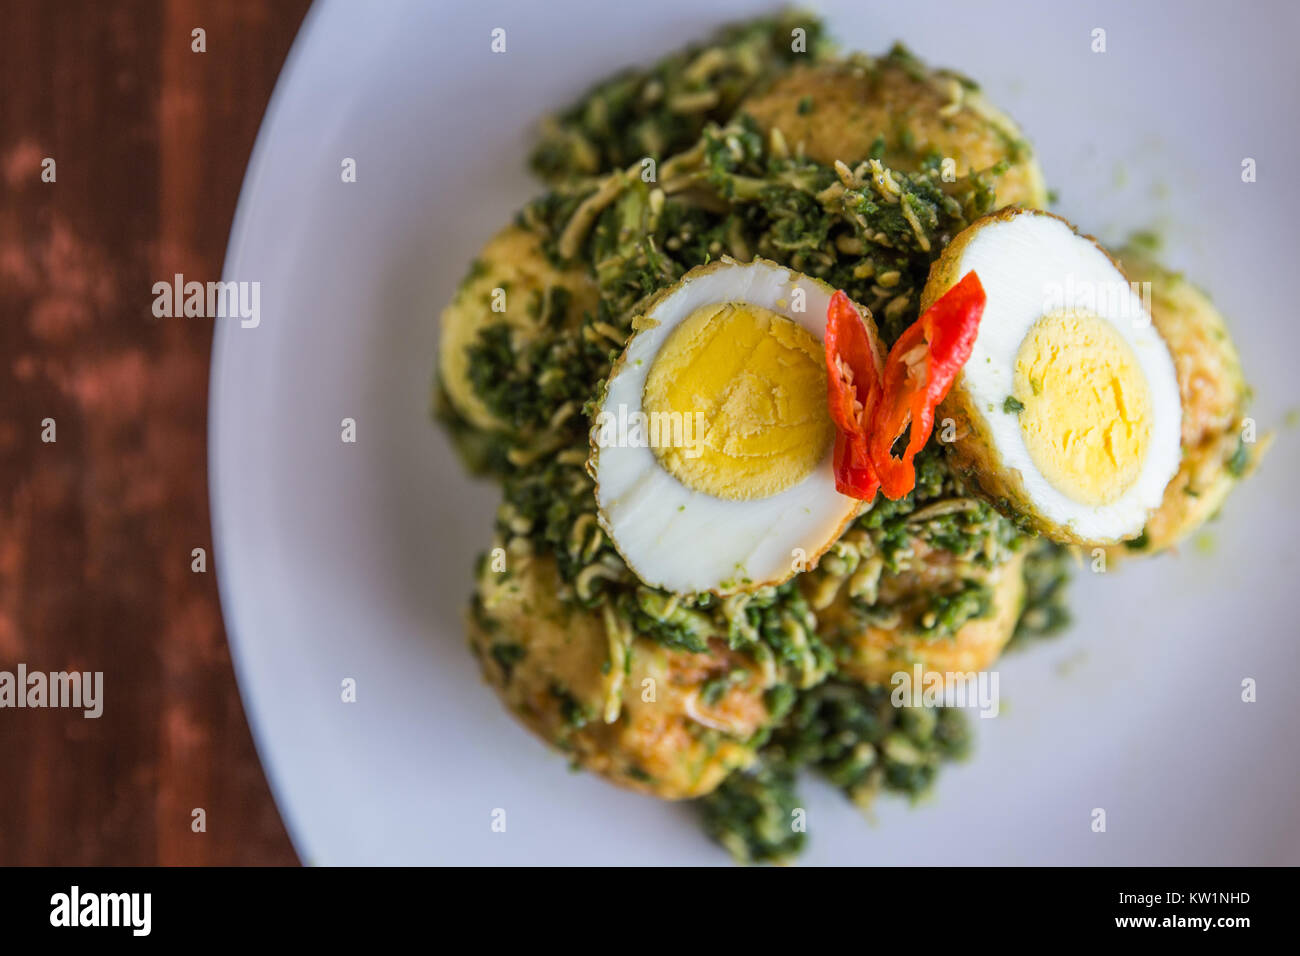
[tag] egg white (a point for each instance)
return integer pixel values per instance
(686, 541)
(1018, 255)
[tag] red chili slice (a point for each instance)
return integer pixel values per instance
(855, 476)
(852, 394)
(919, 371)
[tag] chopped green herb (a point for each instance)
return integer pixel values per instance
(1045, 613)
(663, 110)
(574, 714)
(1240, 459)
(507, 656)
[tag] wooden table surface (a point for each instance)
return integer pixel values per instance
(150, 140)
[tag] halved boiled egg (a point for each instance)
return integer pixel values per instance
(1067, 410)
(711, 450)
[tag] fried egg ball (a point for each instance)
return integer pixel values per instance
(837, 111)
(652, 727)
(872, 651)
(512, 261)
(729, 485)
(1214, 397)
(1067, 412)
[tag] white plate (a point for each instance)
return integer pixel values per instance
(353, 560)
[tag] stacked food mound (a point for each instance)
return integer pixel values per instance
(792, 388)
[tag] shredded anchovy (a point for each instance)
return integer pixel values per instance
(620, 636)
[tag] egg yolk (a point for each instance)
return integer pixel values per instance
(759, 381)
(1086, 418)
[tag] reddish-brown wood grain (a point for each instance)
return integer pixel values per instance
(150, 140)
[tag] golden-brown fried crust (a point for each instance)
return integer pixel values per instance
(838, 111)
(667, 740)
(512, 261)
(873, 653)
(1214, 397)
